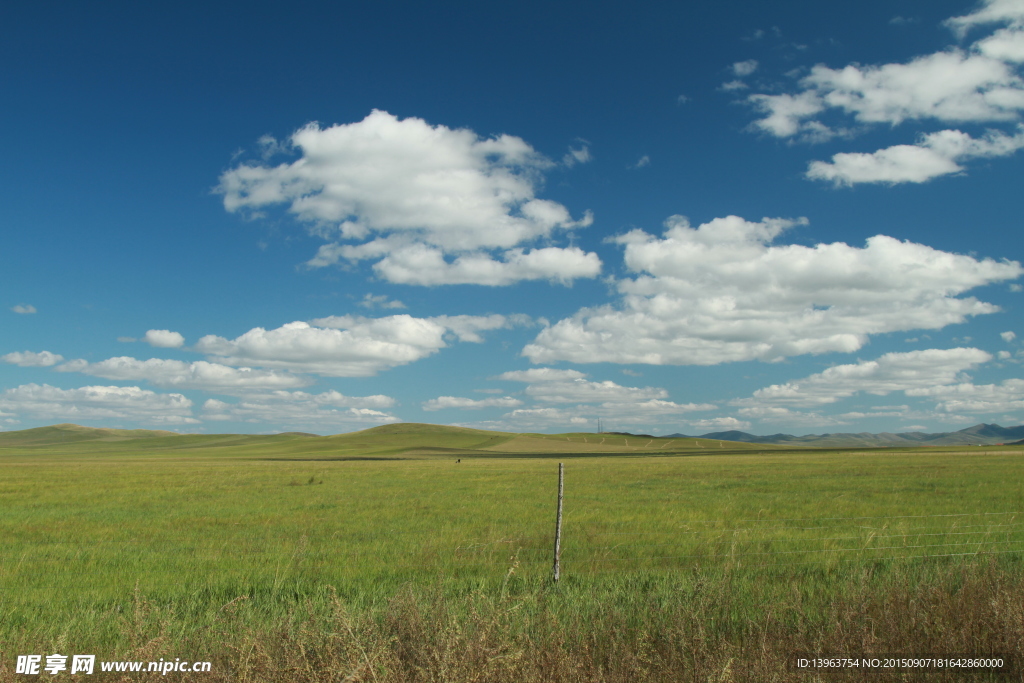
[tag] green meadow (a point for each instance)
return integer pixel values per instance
(415, 552)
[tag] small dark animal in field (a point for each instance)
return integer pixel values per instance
(458, 461)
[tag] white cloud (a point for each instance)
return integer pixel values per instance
(906, 372)
(645, 412)
(990, 12)
(980, 84)
(622, 405)
(615, 414)
(576, 156)
(24, 309)
(946, 86)
(356, 347)
(181, 375)
(937, 154)
(467, 328)
(794, 418)
(443, 402)
(301, 409)
(800, 418)
(786, 113)
(544, 418)
(972, 398)
(271, 146)
(579, 390)
(744, 68)
(31, 359)
(1006, 44)
(428, 193)
(732, 86)
(348, 346)
(325, 399)
(550, 385)
(767, 413)
(720, 424)
(1008, 336)
(541, 375)
(380, 301)
(643, 161)
(164, 339)
(415, 263)
(97, 403)
(722, 292)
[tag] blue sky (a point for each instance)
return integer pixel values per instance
(773, 217)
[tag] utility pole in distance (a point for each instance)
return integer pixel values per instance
(558, 519)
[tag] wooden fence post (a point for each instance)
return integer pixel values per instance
(558, 519)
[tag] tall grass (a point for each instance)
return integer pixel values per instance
(635, 626)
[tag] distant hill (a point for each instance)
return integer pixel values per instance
(72, 433)
(980, 434)
(399, 440)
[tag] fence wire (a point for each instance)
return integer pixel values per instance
(723, 541)
(751, 542)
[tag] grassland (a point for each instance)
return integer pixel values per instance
(377, 556)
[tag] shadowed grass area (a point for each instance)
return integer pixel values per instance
(375, 556)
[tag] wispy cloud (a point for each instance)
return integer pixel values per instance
(348, 346)
(641, 162)
(745, 68)
(178, 374)
(444, 402)
(578, 155)
(936, 154)
(380, 301)
(31, 359)
(892, 372)
(45, 402)
(298, 409)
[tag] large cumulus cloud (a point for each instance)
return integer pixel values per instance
(723, 292)
(429, 205)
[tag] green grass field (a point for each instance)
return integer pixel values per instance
(377, 556)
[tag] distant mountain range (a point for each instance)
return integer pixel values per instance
(980, 434)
